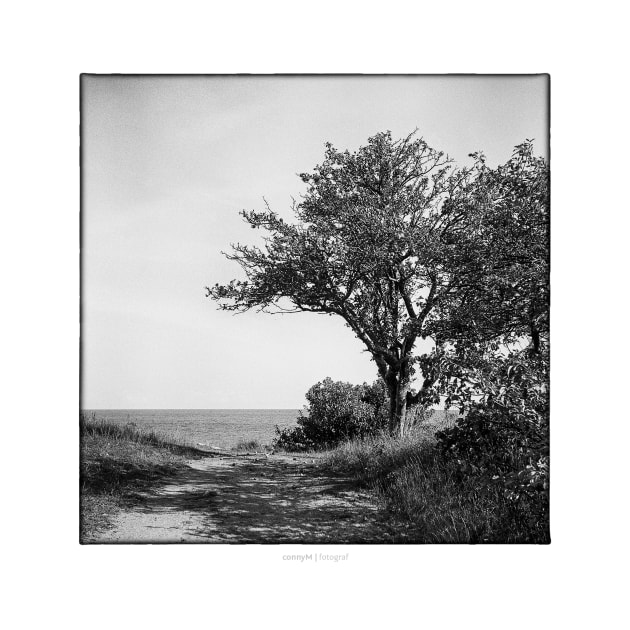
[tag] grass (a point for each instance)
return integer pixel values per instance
(428, 496)
(119, 460)
(424, 494)
(246, 446)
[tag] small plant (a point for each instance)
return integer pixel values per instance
(248, 445)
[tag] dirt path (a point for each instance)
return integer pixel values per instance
(252, 499)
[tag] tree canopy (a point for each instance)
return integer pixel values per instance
(402, 245)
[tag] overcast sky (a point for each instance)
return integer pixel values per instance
(167, 165)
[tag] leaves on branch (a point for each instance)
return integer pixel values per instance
(402, 245)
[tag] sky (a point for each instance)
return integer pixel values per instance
(168, 163)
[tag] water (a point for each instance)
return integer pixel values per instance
(224, 428)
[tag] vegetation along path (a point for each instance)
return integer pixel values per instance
(252, 499)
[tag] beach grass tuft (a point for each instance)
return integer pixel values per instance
(248, 445)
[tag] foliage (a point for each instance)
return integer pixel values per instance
(497, 253)
(494, 364)
(426, 497)
(336, 411)
(402, 246)
(504, 437)
(367, 246)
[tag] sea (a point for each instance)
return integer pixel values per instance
(222, 428)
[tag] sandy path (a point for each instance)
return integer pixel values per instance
(252, 499)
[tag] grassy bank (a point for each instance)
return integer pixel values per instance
(430, 498)
(117, 461)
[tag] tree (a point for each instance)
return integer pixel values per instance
(499, 259)
(495, 366)
(367, 246)
(402, 246)
(499, 253)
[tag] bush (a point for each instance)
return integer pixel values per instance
(426, 497)
(336, 411)
(504, 438)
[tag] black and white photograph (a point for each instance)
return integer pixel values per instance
(314, 315)
(315, 309)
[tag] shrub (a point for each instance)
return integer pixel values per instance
(426, 497)
(504, 438)
(336, 411)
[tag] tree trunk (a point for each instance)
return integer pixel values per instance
(401, 410)
(392, 409)
(397, 386)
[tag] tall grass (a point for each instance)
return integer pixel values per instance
(118, 460)
(428, 495)
(91, 427)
